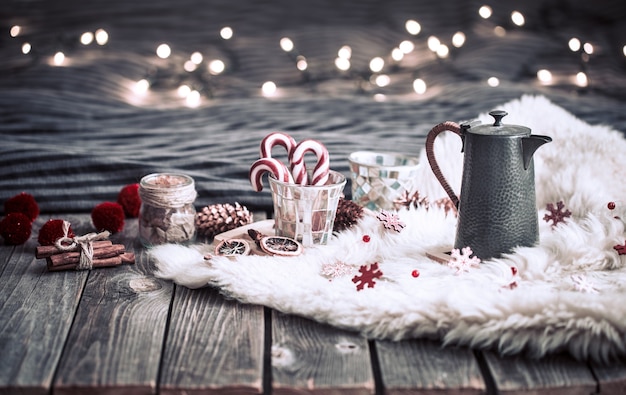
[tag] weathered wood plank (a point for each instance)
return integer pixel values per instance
(37, 312)
(312, 358)
(554, 375)
(425, 367)
(611, 377)
(116, 340)
(214, 345)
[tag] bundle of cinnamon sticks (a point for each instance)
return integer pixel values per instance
(105, 254)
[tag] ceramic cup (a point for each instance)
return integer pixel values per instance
(306, 212)
(379, 179)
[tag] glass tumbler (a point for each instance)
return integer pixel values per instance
(306, 212)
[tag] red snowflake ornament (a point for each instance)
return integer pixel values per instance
(390, 220)
(461, 261)
(557, 214)
(368, 276)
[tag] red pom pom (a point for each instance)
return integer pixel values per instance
(130, 201)
(52, 231)
(22, 203)
(108, 216)
(15, 228)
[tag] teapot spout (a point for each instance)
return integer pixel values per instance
(530, 145)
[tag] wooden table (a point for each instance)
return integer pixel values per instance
(122, 331)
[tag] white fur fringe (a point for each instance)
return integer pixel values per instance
(566, 294)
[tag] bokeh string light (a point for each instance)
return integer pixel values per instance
(192, 76)
(299, 60)
(63, 46)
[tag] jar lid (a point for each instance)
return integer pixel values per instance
(167, 190)
(166, 180)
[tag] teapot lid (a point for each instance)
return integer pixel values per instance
(498, 128)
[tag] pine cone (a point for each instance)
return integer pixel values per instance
(348, 214)
(219, 218)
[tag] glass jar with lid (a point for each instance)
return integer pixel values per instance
(167, 213)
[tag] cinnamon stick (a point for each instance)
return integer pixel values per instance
(65, 258)
(125, 258)
(46, 251)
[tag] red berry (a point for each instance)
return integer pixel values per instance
(366, 238)
(611, 205)
(513, 270)
(130, 200)
(16, 228)
(108, 216)
(52, 231)
(22, 203)
(415, 273)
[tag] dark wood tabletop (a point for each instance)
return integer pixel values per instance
(121, 330)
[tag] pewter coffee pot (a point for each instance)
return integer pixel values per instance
(496, 207)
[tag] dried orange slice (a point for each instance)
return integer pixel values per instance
(279, 245)
(231, 247)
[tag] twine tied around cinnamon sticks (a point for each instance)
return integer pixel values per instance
(84, 252)
(84, 244)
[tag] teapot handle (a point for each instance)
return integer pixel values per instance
(430, 154)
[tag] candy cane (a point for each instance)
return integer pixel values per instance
(322, 167)
(268, 165)
(277, 138)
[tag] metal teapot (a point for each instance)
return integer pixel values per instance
(496, 207)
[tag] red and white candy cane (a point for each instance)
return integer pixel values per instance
(277, 139)
(268, 165)
(322, 166)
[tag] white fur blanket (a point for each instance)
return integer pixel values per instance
(566, 294)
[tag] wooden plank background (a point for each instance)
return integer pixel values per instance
(114, 346)
(37, 313)
(423, 366)
(313, 358)
(554, 374)
(213, 345)
(121, 331)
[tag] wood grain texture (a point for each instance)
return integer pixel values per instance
(115, 343)
(611, 377)
(123, 331)
(425, 367)
(311, 358)
(214, 345)
(37, 312)
(555, 375)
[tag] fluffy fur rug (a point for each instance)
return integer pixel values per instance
(566, 294)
